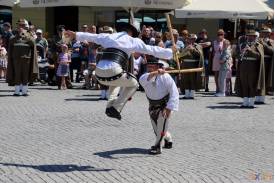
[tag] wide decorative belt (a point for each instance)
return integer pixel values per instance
(112, 78)
(190, 60)
(115, 55)
(158, 103)
(250, 58)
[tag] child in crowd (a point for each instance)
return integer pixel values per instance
(64, 58)
(3, 60)
(225, 65)
(228, 88)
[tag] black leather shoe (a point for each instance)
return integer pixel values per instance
(103, 98)
(16, 95)
(107, 111)
(243, 106)
(155, 150)
(250, 107)
(167, 144)
(113, 113)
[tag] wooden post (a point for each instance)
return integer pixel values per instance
(169, 25)
(181, 71)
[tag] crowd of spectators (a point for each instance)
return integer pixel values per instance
(63, 63)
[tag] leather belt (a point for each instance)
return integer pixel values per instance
(159, 102)
(109, 78)
(190, 60)
(115, 55)
(25, 56)
(250, 58)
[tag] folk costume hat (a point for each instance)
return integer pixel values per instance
(251, 32)
(153, 61)
(126, 27)
(192, 36)
(107, 29)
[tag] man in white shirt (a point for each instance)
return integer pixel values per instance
(112, 69)
(163, 97)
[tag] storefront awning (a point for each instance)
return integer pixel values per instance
(9, 3)
(226, 9)
(155, 4)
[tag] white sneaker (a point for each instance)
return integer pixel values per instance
(220, 95)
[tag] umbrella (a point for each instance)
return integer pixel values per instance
(9, 3)
(155, 4)
(223, 9)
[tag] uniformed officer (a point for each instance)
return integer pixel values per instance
(22, 59)
(191, 57)
(112, 69)
(163, 97)
(268, 45)
(251, 69)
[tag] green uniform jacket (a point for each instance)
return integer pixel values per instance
(12, 54)
(261, 76)
(269, 50)
(196, 53)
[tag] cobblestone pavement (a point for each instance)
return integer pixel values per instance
(56, 136)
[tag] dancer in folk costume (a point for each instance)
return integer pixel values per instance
(113, 69)
(163, 97)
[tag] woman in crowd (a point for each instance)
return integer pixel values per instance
(3, 59)
(216, 53)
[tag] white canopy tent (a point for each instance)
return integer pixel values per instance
(9, 3)
(155, 4)
(226, 9)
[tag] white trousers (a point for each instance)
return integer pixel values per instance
(161, 130)
(126, 86)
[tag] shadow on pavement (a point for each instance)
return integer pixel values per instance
(183, 98)
(6, 90)
(57, 168)
(126, 151)
(48, 88)
(224, 107)
(208, 96)
(81, 99)
(89, 95)
(205, 93)
(11, 95)
(236, 103)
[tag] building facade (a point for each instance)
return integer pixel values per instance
(73, 17)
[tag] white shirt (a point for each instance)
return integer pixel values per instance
(156, 89)
(137, 62)
(125, 43)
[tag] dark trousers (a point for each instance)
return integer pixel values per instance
(267, 65)
(249, 71)
(189, 80)
(21, 71)
(76, 64)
